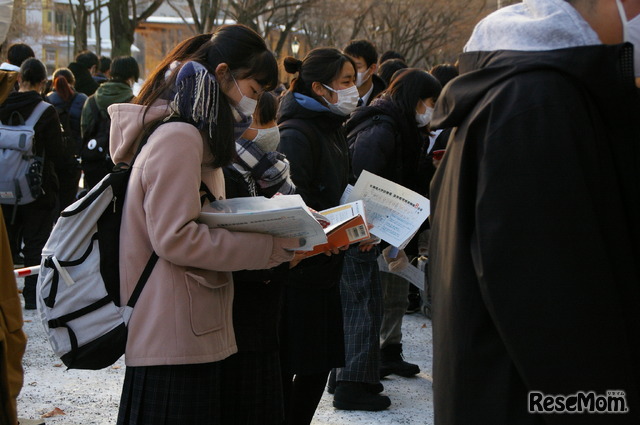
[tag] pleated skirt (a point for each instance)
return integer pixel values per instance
(171, 395)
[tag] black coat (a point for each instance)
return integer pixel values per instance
(534, 245)
(320, 171)
(84, 81)
(378, 87)
(47, 138)
(391, 149)
(319, 167)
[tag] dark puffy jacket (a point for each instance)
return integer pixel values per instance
(320, 171)
(75, 110)
(391, 148)
(48, 138)
(319, 165)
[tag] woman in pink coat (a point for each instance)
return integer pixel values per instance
(181, 326)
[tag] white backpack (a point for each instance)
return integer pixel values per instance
(78, 292)
(20, 167)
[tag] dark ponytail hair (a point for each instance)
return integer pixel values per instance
(247, 56)
(33, 71)
(63, 79)
(410, 86)
(323, 65)
(267, 108)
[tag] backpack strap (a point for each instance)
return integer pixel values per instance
(148, 268)
(97, 118)
(36, 114)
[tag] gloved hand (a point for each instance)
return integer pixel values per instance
(283, 250)
(395, 264)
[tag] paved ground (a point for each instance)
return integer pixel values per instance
(91, 397)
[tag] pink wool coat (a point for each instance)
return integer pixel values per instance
(184, 313)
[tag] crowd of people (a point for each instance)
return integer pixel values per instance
(529, 158)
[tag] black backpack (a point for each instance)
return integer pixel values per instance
(70, 146)
(95, 143)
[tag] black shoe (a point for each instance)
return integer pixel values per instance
(18, 260)
(357, 396)
(30, 306)
(391, 362)
(372, 388)
(414, 303)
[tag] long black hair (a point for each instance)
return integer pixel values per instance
(323, 65)
(247, 56)
(410, 86)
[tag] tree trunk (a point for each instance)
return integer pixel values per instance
(80, 30)
(121, 28)
(97, 20)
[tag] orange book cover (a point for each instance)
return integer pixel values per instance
(341, 234)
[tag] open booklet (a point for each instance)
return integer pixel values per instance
(395, 212)
(287, 216)
(348, 225)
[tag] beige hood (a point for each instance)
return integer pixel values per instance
(127, 122)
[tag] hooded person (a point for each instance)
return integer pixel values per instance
(534, 251)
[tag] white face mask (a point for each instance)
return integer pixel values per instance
(246, 106)
(362, 78)
(424, 118)
(267, 139)
(631, 33)
(347, 100)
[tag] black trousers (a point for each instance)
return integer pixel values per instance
(31, 229)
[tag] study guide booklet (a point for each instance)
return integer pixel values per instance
(395, 212)
(285, 216)
(348, 225)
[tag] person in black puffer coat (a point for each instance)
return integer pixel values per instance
(34, 221)
(388, 139)
(310, 117)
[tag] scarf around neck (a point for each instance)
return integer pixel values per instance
(264, 172)
(197, 96)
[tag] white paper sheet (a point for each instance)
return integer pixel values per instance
(395, 212)
(410, 273)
